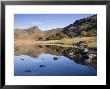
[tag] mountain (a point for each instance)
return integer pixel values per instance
(30, 33)
(86, 27)
(82, 27)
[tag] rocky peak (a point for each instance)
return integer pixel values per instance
(34, 28)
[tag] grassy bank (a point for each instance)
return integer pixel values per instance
(91, 41)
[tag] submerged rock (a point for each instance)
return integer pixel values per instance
(27, 70)
(41, 65)
(22, 59)
(55, 58)
(42, 59)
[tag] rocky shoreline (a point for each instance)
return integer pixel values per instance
(82, 54)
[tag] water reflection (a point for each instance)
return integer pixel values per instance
(53, 60)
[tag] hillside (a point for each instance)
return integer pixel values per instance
(34, 33)
(86, 27)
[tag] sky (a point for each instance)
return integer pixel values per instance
(46, 21)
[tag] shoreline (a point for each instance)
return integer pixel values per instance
(91, 41)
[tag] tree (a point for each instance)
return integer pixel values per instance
(40, 38)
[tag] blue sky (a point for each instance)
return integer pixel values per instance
(46, 21)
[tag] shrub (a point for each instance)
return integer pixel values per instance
(40, 38)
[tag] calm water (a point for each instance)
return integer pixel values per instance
(48, 61)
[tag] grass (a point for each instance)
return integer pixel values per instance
(91, 41)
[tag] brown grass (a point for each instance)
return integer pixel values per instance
(91, 41)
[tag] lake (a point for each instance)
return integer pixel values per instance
(49, 60)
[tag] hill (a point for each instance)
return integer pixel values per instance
(86, 27)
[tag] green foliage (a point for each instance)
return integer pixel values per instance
(83, 33)
(93, 32)
(90, 33)
(57, 36)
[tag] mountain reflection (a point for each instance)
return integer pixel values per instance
(35, 50)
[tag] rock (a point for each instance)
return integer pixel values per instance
(33, 28)
(85, 50)
(91, 56)
(27, 70)
(43, 59)
(41, 65)
(22, 59)
(71, 54)
(88, 61)
(55, 58)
